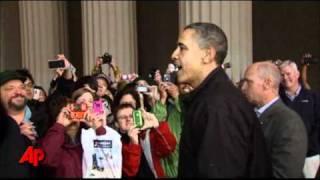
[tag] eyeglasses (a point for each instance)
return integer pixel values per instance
(29, 84)
(125, 117)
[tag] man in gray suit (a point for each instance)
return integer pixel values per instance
(283, 129)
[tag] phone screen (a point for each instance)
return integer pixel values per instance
(137, 119)
(54, 64)
(36, 94)
(142, 89)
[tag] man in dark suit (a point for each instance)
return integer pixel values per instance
(283, 128)
(221, 136)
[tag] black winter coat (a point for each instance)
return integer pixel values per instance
(221, 135)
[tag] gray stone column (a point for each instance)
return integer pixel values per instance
(235, 18)
(109, 26)
(10, 47)
(43, 35)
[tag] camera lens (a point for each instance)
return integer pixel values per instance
(106, 58)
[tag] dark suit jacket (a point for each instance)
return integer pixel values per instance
(307, 105)
(286, 139)
(221, 135)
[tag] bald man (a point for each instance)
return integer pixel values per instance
(283, 129)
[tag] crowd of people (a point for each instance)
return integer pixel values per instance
(190, 121)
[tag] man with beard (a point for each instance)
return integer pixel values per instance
(15, 134)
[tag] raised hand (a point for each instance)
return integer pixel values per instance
(133, 134)
(66, 61)
(304, 57)
(59, 71)
(150, 120)
(172, 90)
(94, 120)
(64, 117)
(98, 61)
(163, 92)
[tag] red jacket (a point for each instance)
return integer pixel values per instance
(64, 159)
(162, 143)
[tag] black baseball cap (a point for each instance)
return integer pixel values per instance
(9, 75)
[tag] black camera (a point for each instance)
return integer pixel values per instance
(309, 60)
(170, 77)
(106, 58)
(56, 63)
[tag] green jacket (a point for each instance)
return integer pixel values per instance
(172, 113)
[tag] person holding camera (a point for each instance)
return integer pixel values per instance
(61, 144)
(170, 107)
(109, 60)
(143, 147)
(306, 103)
(67, 142)
(306, 60)
(64, 77)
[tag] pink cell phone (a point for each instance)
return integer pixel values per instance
(98, 107)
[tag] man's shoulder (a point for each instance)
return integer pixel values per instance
(280, 111)
(307, 93)
(225, 92)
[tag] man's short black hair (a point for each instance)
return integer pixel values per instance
(210, 35)
(25, 73)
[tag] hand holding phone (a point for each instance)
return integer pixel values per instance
(94, 120)
(64, 116)
(150, 120)
(133, 134)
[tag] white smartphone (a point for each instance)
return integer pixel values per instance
(36, 94)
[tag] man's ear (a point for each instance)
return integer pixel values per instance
(267, 83)
(210, 55)
(298, 74)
